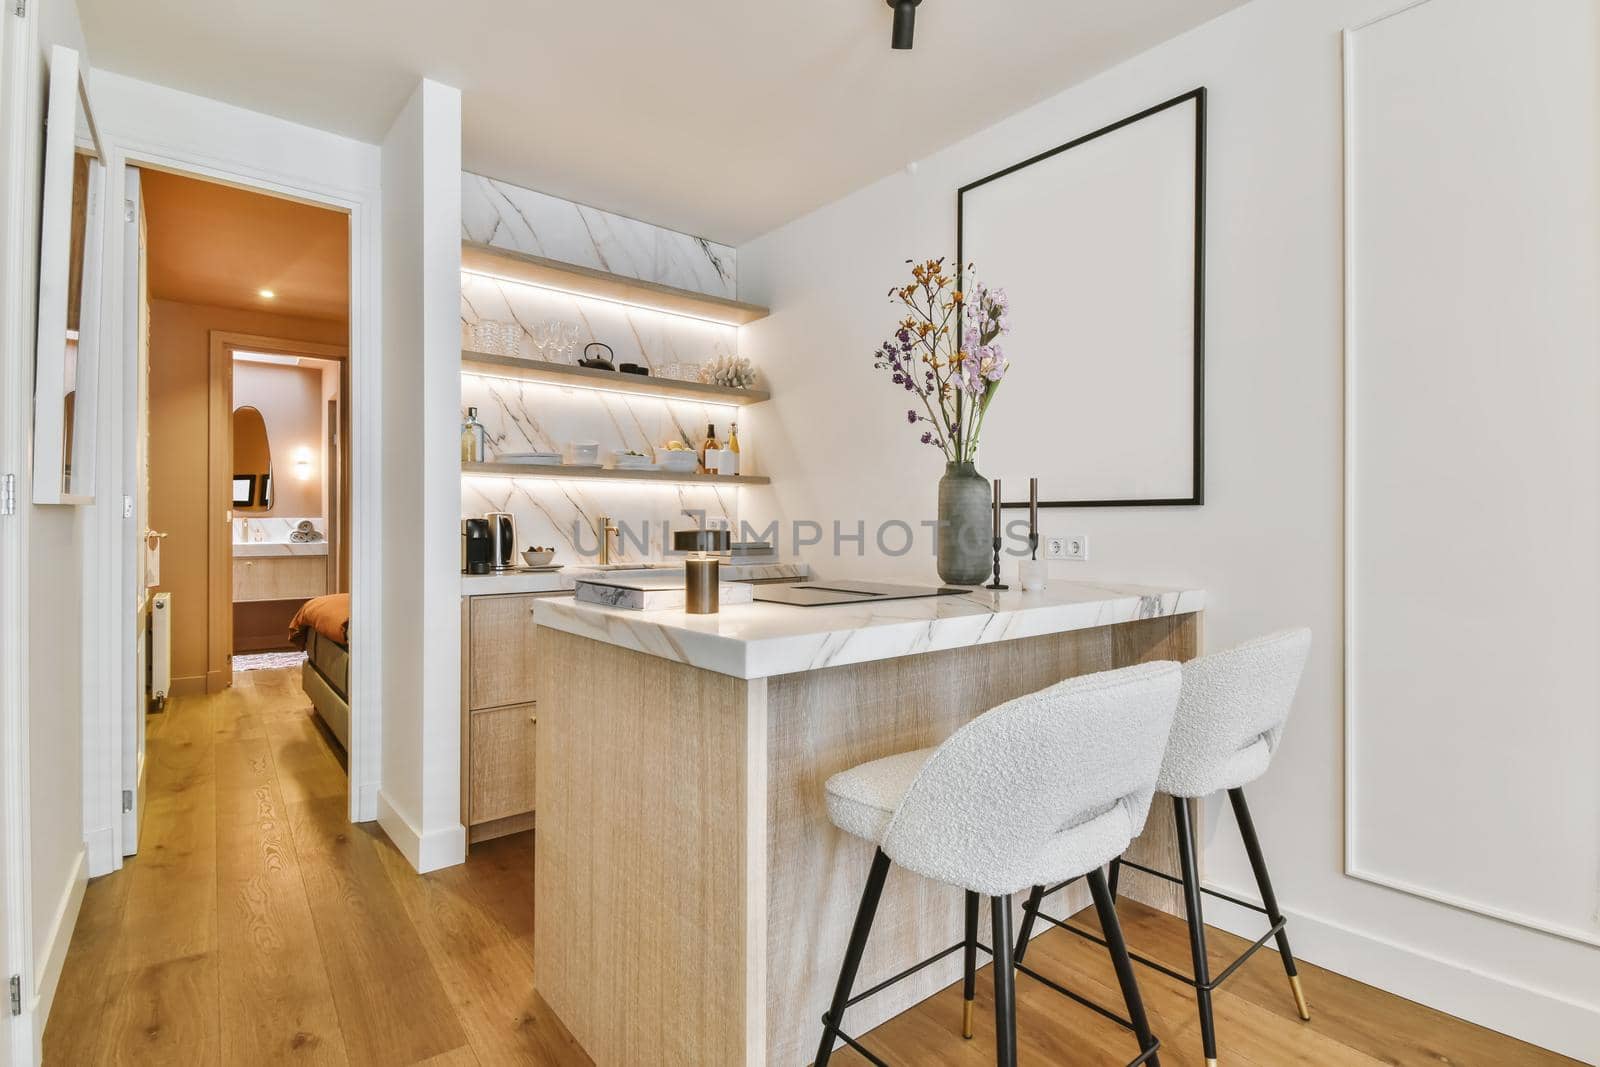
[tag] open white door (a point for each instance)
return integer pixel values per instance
(136, 599)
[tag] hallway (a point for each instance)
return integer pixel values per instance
(257, 925)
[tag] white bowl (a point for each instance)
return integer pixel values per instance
(539, 559)
(678, 462)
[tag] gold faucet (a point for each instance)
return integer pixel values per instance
(608, 529)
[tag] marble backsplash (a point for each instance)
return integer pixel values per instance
(520, 416)
(635, 335)
(522, 220)
(562, 513)
(524, 416)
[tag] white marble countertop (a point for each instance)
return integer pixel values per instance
(761, 640)
(562, 580)
(260, 549)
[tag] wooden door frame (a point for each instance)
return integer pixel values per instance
(219, 484)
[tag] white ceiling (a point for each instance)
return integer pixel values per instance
(722, 118)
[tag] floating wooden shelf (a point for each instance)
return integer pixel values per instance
(523, 470)
(538, 370)
(603, 285)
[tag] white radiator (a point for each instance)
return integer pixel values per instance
(160, 648)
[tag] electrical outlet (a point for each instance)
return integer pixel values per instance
(1067, 546)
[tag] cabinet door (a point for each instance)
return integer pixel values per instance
(501, 668)
(502, 762)
(279, 577)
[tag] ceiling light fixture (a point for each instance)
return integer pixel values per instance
(905, 22)
(265, 294)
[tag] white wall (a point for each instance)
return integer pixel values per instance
(43, 546)
(419, 804)
(1267, 544)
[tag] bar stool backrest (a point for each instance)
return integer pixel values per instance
(1042, 788)
(1232, 713)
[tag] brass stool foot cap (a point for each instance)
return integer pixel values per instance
(966, 1018)
(1299, 998)
(1211, 1062)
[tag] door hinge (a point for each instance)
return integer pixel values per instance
(16, 994)
(127, 800)
(8, 495)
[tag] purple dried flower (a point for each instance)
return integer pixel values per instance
(927, 437)
(911, 417)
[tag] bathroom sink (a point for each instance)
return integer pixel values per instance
(632, 567)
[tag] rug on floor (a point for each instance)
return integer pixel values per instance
(262, 661)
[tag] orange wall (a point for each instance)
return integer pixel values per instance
(290, 402)
(180, 356)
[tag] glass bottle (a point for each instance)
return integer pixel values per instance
(708, 445)
(473, 438)
(733, 447)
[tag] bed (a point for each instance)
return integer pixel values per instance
(322, 628)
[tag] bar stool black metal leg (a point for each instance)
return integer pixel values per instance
(1005, 985)
(1105, 906)
(1197, 927)
(1269, 899)
(852, 955)
(969, 961)
(1116, 876)
(1030, 912)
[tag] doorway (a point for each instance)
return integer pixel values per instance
(243, 481)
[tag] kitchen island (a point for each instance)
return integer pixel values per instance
(693, 899)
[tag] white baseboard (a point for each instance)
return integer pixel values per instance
(426, 852)
(1536, 1016)
(366, 802)
(47, 968)
(100, 846)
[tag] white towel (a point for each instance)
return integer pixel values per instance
(305, 526)
(152, 562)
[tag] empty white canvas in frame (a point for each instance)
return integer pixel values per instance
(1098, 244)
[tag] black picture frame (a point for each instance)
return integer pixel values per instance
(1198, 97)
(265, 499)
(244, 490)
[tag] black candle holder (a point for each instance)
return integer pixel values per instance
(1033, 545)
(996, 584)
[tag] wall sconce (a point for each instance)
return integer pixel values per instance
(302, 463)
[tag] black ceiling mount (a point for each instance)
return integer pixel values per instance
(905, 22)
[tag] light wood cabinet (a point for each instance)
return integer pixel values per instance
(501, 755)
(499, 716)
(501, 662)
(279, 578)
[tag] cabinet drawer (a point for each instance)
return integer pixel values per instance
(501, 772)
(501, 651)
(279, 577)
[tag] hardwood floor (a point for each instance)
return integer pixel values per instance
(258, 926)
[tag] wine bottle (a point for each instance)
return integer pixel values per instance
(708, 447)
(733, 446)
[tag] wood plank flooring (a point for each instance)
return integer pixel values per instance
(258, 926)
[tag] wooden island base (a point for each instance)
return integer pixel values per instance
(693, 898)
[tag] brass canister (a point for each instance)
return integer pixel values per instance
(701, 586)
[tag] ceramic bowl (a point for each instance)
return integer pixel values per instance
(678, 462)
(539, 559)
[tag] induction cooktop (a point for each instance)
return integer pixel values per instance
(818, 594)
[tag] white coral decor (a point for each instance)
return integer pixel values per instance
(735, 371)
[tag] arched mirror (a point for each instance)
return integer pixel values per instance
(252, 461)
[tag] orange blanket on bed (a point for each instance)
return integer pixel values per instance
(328, 615)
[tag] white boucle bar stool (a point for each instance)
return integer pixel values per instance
(1051, 785)
(1229, 721)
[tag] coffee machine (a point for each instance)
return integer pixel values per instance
(502, 540)
(475, 546)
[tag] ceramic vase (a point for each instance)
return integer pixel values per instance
(965, 542)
